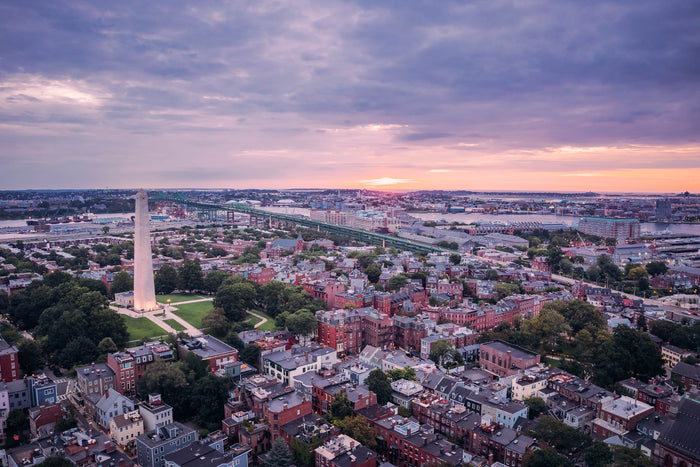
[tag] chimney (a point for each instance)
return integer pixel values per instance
(286, 406)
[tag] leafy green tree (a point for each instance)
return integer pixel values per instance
(491, 275)
(408, 373)
(559, 435)
(106, 346)
(442, 352)
(17, 422)
(302, 323)
(251, 255)
(628, 457)
(396, 282)
(4, 303)
(373, 272)
(504, 289)
(379, 383)
(279, 455)
(9, 333)
(30, 356)
(209, 395)
(214, 279)
(251, 355)
(122, 282)
(65, 423)
(357, 429)
(216, 322)
(79, 350)
(546, 458)
(235, 299)
(190, 276)
(341, 406)
(547, 326)
(654, 268)
(170, 381)
(456, 259)
(536, 406)
(165, 279)
(598, 455)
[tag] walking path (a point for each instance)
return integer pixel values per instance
(157, 317)
(262, 318)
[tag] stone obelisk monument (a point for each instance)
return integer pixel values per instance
(144, 290)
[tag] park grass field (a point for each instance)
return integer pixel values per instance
(268, 326)
(193, 312)
(140, 328)
(174, 324)
(176, 298)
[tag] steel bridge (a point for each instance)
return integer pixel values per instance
(210, 209)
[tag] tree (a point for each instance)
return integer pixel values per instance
(491, 275)
(4, 303)
(106, 346)
(209, 395)
(251, 355)
(559, 435)
(638, 274)
(122, 282)
(16, 423)
(216, 322)
(628, 457)
(642, 322)
(279, 455)
(396, 282)
(379, 383)
(548, 325)
(357, 429)
(30, 356)
(598, 455)
(165, 279)
(214, 279)
(341, 406)
(56, 462)
(235, 299)
(441, 352)
(504, 289)
(170, 382)
(546, 458)
(302, 323)
(408, 373)
(191, 276)
(373, 272)
(79, 350)
(654, 268)
(455, 259)
(536, 406)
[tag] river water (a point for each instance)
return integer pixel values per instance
(466, 218)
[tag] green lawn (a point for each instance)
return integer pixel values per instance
(268, 326)
(253, 320)
(175, 298)
(194, 312)
(139, 328)
(174, 324)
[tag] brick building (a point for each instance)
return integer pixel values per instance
(9, 365)
(341, 330)
(619, 416)
(284, 409)
(506, 359)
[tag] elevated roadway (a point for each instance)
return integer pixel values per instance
(372, 238)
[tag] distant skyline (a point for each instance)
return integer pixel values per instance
(492, 96)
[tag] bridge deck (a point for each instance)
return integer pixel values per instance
(351, 232)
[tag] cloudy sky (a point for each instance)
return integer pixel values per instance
(476, 95)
